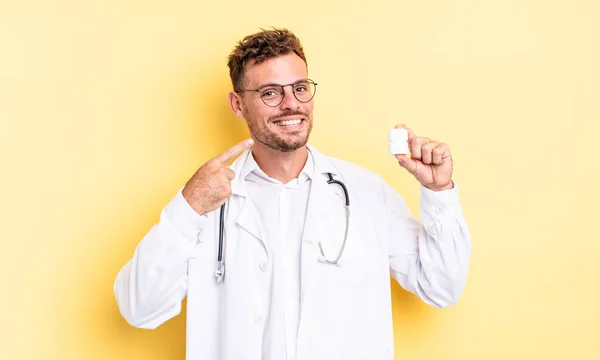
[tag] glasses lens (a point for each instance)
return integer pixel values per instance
(272, 95)
(304, 90)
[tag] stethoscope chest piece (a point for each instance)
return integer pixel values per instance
(220, 273)
(324, 260)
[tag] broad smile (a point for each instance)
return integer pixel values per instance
(290, 124)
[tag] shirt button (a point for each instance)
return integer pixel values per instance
(433, 228)
(440, 210)
(263, 266)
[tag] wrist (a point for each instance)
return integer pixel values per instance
(448, 186)
(189, 198)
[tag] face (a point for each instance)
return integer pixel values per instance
(285, 127)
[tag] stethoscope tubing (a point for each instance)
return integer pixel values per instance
(220, 271)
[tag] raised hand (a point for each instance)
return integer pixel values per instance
(430, 161)
(210, 186)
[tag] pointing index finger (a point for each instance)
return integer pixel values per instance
(234, 151)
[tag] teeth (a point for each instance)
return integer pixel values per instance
(288, 122)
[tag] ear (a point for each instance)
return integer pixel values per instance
(236, 104)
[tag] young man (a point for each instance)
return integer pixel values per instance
(274, 264)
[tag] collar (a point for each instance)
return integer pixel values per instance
(251, 167)
(316, 163)
(245, 164)
(323, 163)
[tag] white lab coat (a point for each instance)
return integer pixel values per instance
(345, 311)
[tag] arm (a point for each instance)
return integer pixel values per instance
(430, 259)
(150, 287)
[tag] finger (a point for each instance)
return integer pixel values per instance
(439, 153)
(234, 151)
(426, 151)
(229, 173)
(409, 164)
(415, 147)
(411, 134)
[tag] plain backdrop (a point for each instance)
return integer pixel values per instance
(108, 107)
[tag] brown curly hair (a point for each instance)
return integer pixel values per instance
(259, 47)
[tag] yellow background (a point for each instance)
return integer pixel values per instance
(108, 107)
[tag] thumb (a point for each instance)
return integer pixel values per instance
(407, 163)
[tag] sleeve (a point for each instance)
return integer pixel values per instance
(429, 259)
(150, 287)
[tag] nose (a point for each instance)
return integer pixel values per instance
(289, 99)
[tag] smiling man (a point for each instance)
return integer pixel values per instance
(287, 253)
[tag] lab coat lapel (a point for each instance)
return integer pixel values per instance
(316, 213)
(320, 200)
(245, 210)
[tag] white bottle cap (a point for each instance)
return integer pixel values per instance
(398, 134)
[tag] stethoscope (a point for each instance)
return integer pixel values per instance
(220, 272)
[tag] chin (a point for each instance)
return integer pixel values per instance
(287, 146)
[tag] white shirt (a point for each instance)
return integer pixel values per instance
(282, 212)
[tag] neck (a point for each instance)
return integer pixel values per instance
(282, 166)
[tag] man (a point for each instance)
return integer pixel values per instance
(301, 277)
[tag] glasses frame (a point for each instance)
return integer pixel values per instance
(260, 90)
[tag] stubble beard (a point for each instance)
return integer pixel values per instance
(273, 140)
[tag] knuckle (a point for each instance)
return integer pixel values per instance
(211, 162)
(423, 142)
(218, 171)
(211, 165)
(428, 147)
(229, 174)
(225, 185)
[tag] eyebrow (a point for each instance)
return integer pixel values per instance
(276, 84)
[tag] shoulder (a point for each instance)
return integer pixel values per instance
(366, 188)
(353, 173)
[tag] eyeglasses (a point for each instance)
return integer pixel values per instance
(272, 94)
